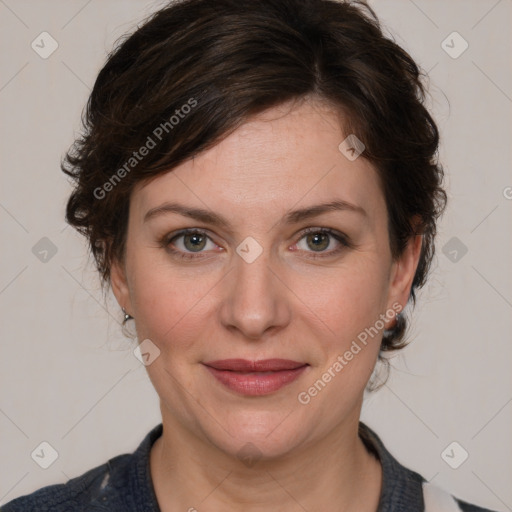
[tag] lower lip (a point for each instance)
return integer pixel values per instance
(258, 383)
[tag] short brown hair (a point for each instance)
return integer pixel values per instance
(197, 69)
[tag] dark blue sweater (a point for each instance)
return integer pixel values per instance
(123, 484)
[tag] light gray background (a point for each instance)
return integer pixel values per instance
(67, 374)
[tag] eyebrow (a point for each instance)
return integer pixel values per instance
(292, 217)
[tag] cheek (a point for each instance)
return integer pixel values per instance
(170, 305)
(345, 302)
(348, 314)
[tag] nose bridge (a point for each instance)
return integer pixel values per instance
(255, 301)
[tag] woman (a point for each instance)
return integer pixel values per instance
(258, 184)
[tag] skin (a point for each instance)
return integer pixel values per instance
(285, 304)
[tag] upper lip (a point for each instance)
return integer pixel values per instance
(263, 365)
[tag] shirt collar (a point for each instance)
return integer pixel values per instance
(401, 488)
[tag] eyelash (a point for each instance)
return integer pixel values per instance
(166, 241)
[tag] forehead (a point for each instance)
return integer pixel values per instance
(286, 156)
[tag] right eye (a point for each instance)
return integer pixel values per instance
(187, 242)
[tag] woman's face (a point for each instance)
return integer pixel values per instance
(256, 280)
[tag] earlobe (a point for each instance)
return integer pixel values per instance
(120, 285)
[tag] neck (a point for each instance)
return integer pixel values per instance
(336, 473)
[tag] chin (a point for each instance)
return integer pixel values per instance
(264, 434)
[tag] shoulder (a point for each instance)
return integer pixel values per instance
(122, 483)
(438, 500)
(88, 489)
(468, 507)
(404, 489)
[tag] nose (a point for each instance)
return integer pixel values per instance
(256, 302)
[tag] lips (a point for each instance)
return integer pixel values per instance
(246, 366)
(255, 378)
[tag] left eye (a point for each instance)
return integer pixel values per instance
(319, 240)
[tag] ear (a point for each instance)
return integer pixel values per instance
(120, 285)
(403, 271)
